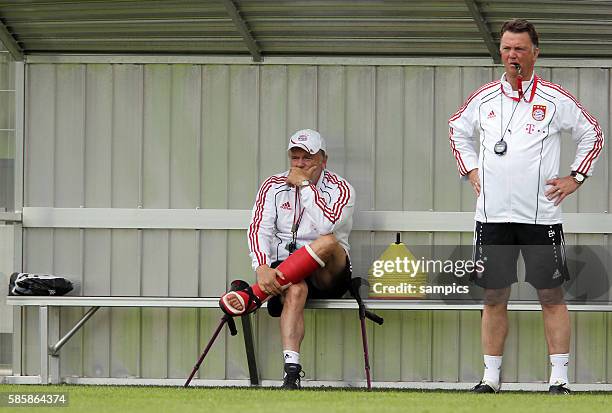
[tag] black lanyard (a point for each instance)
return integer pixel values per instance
(297, 219)
(501, 146)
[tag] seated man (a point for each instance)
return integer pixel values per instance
(307, 210)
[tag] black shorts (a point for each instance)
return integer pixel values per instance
(337, 291)
(497, 246)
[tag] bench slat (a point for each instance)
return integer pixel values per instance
(196, 302)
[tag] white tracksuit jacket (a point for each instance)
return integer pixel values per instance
(513, 185)
(325, 208)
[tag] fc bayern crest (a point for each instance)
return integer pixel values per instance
(538, 112)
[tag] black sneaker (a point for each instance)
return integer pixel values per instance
(484, 387)
(293, 374)
(559, 389)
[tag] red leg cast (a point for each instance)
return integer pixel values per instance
(300, 265)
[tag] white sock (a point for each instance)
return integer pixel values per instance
(492, 370)
(558, 369)
(291, 357)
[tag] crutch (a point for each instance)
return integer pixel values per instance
(226, 319)
(233, 331)
(355, 284)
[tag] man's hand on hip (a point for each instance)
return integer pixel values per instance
(474, 180)
(266, 278)
(560, 188)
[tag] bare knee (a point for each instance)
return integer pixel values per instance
(496, 300)
(551, 297)
(327, 243)
(495, 309)
(296, 294)
(325, 246)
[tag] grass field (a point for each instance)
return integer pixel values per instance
(173, 399)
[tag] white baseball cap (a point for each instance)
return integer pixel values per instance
(307, 139)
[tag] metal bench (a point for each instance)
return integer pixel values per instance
(48, 308)
(392, 221)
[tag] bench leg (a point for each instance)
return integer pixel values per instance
(54, 332)
(59, 343)
(249, 345)
(43, 328)
(17, 340)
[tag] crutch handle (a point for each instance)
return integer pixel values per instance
(377, 319)
(231, 324)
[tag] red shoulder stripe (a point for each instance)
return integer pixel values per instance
(333, 213)
(255, 224)
(484, 87)
(586, 163)
(460, 164)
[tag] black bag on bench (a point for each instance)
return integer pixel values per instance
(23, 283)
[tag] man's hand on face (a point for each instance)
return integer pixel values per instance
(474, 180)
(560, 188)
(298, 175)
(266, 279)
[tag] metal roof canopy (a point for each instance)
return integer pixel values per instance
(385, 28)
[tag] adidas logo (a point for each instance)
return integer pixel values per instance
(491, 115)
(556, 274)
(286, 205)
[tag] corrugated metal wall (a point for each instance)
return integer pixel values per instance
(7, 247)
(189, 136)
(7, 129)
(7, 165)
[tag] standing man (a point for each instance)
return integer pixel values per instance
(307, 210)
(519, 120)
